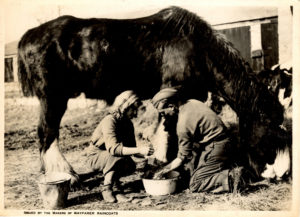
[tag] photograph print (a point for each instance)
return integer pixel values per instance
(153, 106)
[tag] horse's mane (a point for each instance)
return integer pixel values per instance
(248, 95)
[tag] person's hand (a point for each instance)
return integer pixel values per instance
(146, 150)
(160, 173)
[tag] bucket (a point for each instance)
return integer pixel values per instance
(162, 186)
(54, 188)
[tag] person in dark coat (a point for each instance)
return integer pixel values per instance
(113, 142)
(204, 146)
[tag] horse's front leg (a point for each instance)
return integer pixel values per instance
(52, 160)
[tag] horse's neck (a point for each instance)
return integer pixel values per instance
(238, 90)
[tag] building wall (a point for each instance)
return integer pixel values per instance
(11, 68)
(269, 37)
(257, 41)
(8, 70)
(285, 25)
(241, 38)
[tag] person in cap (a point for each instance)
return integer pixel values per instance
(113, 142)
(204, 148)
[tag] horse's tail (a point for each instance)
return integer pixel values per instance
(24, 74)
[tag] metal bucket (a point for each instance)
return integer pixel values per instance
(54, 189)
(162, 186)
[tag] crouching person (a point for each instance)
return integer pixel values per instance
(113, 142)
(203, 145)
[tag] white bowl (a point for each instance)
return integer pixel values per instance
(162, 186)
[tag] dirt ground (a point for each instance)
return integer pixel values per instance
(21, 168)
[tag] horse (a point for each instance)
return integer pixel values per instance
(174, 47)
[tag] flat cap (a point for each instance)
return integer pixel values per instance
(163, 94)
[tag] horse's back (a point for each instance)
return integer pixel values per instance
(99, 55)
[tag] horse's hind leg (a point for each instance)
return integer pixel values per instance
(52, 160)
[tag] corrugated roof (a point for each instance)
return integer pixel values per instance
(223, 15)
(11, 48)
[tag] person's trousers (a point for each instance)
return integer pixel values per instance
(211, 173)
(103, 161)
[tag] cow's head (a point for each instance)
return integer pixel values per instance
(267, 142)
(278, 140)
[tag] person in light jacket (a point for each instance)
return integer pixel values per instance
(113, 142)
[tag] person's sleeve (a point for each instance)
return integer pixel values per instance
(112, 145)
(97, 136)
(185, 142)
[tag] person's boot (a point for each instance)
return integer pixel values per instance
(108, 194)
(117, 186)
(237, 181)
(121, 198)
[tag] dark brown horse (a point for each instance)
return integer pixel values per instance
(102, 57)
